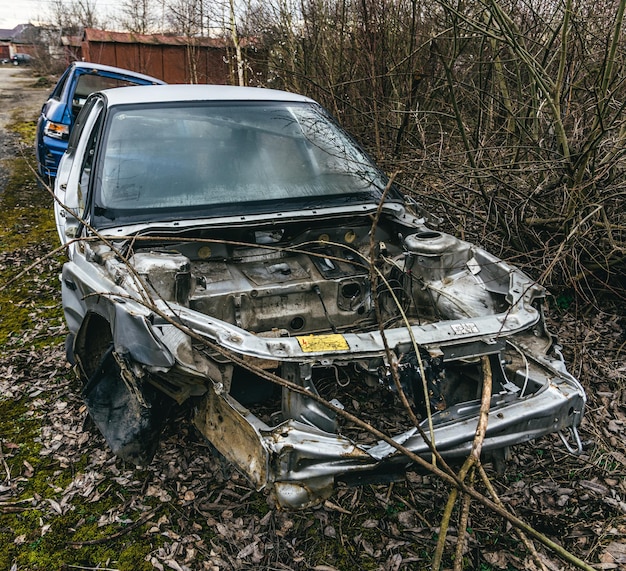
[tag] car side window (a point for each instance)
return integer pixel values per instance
(56, 94)
(90, 83)
(80, 123)
(87, 163)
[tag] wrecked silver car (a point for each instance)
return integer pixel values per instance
(232, 250)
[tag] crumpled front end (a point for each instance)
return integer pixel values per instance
(279, 336)
(300, 457)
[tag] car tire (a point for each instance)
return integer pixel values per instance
(69, 349)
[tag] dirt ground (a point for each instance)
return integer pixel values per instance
(17, 91)
(16, 94)
(67, 503)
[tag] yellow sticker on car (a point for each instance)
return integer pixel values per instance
(320, 343)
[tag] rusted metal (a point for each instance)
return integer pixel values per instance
(174, 59)
(236, 434)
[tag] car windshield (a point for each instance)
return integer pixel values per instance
(159, 162)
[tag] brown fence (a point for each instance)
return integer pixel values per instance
(174, 59)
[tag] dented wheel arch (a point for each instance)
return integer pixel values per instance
(91, 343)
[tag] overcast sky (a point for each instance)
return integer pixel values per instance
(14, 12)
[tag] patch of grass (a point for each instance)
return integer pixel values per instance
(43, 81)
(32, 536)
(28, 303)
(35, 541)
(26, 131)
(38, 538)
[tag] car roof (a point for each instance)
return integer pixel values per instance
(112, 69)
(180, 93)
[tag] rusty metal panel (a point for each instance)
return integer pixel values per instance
(151, 60)
(211, 66)
(173, 59)
(174, 66)
(127, 56)
(217, 69)
(236, 433)
(99, 52)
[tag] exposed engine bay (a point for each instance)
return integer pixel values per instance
(289, 282)
(315, 303)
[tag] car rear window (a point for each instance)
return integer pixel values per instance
(89, 83)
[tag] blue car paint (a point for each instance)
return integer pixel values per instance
(58, 109)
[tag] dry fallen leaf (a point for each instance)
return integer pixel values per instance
(615, 552)
(499, 559)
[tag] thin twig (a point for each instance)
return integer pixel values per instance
(472, 459)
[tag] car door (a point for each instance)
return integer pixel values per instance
(74, 174)
(51, 111)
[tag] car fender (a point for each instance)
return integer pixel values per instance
(87, 292)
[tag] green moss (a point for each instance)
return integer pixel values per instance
(134, 557)
(26, 130)
(60, 544)
(31, 317)
(27, 236)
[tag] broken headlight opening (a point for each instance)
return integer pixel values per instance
(336, 317)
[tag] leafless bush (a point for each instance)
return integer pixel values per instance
(507, 115)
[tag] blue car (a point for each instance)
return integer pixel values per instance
(60, 110)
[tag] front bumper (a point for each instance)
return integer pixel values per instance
(50, 153)
(300, 463)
